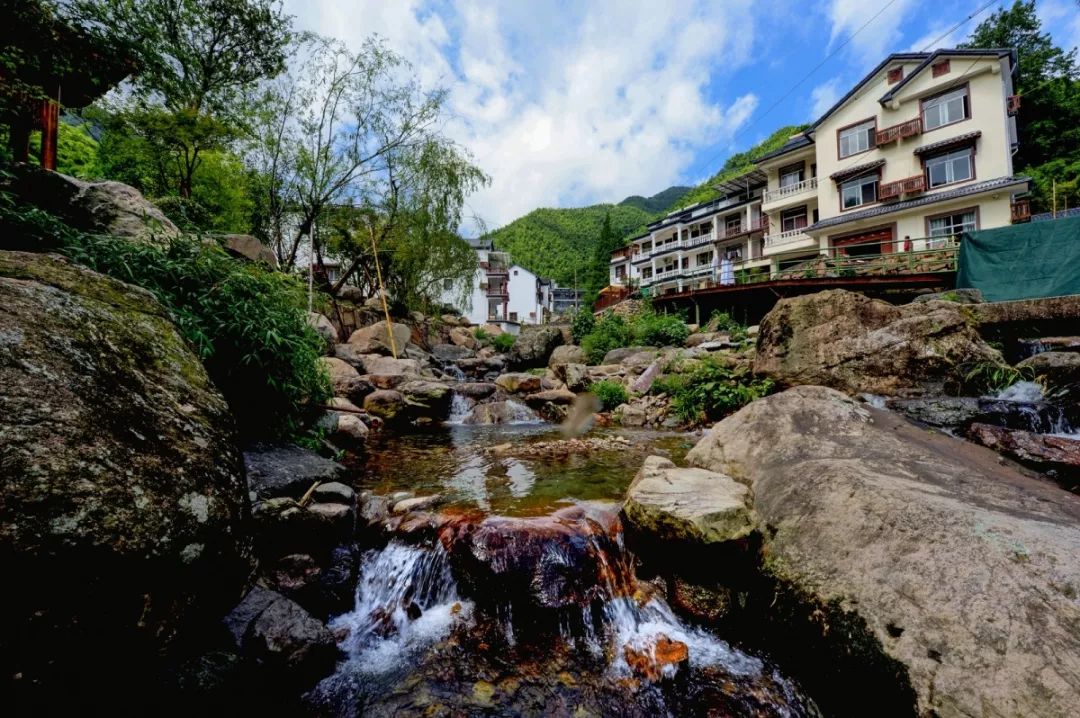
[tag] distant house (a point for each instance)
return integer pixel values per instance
(565, 299)
(504, 293)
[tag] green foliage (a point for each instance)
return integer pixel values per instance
(555, 243)
(582, 323)
(711, 391)
(1048, 81)
(648, 328)
(503, 342)
(990, 378)
(659, 202)
(481, 335)
(246, 323)
(611, 393)
(76, 151)
(723, 322)
(610, 332)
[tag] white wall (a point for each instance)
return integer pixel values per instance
(523, 296)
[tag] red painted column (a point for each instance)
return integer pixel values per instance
(50, 123)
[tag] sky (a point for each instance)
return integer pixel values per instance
(567, 103)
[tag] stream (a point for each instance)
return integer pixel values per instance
(522, 598)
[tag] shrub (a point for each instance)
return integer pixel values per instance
(247, 323)
(658, 330)
(503, 342)
(610, 393)
(711, 391)
(611, 332)
(724, 322)
(481, 335)
(582, 323)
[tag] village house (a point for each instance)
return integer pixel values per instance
(504, 293)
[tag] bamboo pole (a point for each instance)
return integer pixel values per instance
(382, 291)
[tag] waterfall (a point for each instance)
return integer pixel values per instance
(1027, 399)
(460, 406)
(1026, 391)
(406, 599)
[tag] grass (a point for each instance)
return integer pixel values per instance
(610, 393)
(711, 391)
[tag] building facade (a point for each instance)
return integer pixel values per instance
(915, 154)
(503, 292)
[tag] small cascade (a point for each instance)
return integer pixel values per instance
(406, 599)
(1024, 406)
(460, 406)
(1026, 391)
(518, 413)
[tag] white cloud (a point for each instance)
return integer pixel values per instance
(1061, 18)
(562, 104)
(871, 43)
(824, 96)
(936, 37)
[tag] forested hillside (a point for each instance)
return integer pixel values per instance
(658, 202)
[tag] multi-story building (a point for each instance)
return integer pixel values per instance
(503, 292)
(916, 153)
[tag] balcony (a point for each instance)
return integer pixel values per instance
(775, 195)
(1020, 211)
(761, 224)
(1012, 105)
(908, 185)
(911, 128)
(789, 240)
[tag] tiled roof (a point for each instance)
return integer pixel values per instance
(794, 143)
(953, 52)
(883, 209)
(895, 57)
(946, 143)
(856, 170)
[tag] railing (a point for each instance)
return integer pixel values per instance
(1020, 210)
(771, 195)
(908, 185)
(789, 237)
(760, 225)
(1012, 104)
(903, 130)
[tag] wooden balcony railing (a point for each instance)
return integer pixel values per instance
(761, 224)
(1012, 104)
(1020, 211)
(908, 185)
(903, 130)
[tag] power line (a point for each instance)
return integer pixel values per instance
(953, 28)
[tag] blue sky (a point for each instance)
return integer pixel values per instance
(570, 103)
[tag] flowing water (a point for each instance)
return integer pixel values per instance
(1026, 400)
(522, 599)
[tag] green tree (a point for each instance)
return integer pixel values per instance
(1048, 82)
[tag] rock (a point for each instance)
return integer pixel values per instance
(345, 428)
(1044, 452)
(958, 296)
(462, 337)
(517, 383)
(334, 492)
(417, 503)
(475, 390)
(346, 380)
(939, 562)
(716, 346)
(324, 328)
(499, 412)
(354, 352)
(492, 330)
(856, 344)
(1058, 369)
(333, 521)
(695, 340)
(450, 353)
(533, 347)
(481, 366)
(567, 354)
(644, 383)
(575, 376)
(379, 332)
(451, 320)
(704, 603)
(553, 396)
(629, 415)
(386, 404)
(426, 399)
(388, 366)
(294, 575)
(287, 470)
(123, 505)
(282, 637)
(374, 508)
(640, 360)
(352, 294)
(616, 356)
(659, 658)
(386, 381)
(687, 505)
(111, 208)
(943, 411)
(247, 247)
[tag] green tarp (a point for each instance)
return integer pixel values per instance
(1022, 261)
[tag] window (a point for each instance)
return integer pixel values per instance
(857, 192)
(791, 175)
(949, 226)
(447, 284)
(513, 316)
(704, 259)
(859, 138)
(515, 272)
(733, 225)
(793, 219)
(945, 109)
(940, 68)
(895, 75)
(951, 167)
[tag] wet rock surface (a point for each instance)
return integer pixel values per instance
(1059, 455)
(275, 471)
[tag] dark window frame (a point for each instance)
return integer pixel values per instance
(872, 134)
(877, 184)
(966, 87)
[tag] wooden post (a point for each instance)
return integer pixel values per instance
(50, 123)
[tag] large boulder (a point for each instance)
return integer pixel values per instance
(462, 337)
(1046, 452)
(533, 347)
(290, 470)
(450, 353)
(324, 328)
(426, 399)
(932, 566)
(518, 383)
(386, 404)
(567, 354)
(247, 247)
(388, 366)
(379, 332)
(112, 208)
(676, 504)
(1058, 369)
(856, 344)
(123, 505)
(346, 380)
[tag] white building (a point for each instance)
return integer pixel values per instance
(916, 153)
(504, 293)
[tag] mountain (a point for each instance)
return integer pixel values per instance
(658, 202)
(554, 242)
